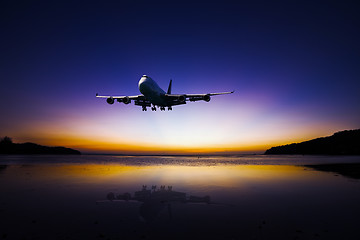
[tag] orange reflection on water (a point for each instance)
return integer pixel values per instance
(46, 196)
(193, 176)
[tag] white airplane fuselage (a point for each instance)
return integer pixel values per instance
(151, 90)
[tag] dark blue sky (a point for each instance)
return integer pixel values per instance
(294, 66)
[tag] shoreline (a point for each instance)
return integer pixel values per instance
(350, 170)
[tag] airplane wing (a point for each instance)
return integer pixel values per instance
(208, 94)
(138, 99)
(121, 97)
(182, 98)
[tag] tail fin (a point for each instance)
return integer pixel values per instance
(169, 89)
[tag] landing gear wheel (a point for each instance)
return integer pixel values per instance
(153, 109)
(144, 108)
(162, 108)
(169, 108)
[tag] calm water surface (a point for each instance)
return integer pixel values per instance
(240, 197)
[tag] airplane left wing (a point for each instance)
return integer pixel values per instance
(220, 93)
(193, 97)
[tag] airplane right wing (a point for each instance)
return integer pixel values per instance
(139, 100)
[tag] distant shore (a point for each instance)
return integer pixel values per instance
(10, 148)
(341, 143)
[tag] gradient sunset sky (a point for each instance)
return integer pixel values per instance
(295, 67)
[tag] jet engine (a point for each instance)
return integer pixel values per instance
(110, 100)
(181, 98)
(126, 100)
(207, 98)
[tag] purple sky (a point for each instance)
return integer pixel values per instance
(294, 67)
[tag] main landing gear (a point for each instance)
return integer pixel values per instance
(154, 108)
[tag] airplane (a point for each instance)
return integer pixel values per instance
(153, 95)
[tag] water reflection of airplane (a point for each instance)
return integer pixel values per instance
(155, 200)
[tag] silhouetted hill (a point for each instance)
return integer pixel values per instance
(8, 147)
(341, 143)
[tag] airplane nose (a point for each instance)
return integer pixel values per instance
(142, 79)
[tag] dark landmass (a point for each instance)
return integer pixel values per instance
(351, 170)
(341, 143)
(8, 147)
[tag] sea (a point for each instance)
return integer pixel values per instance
(177, 197)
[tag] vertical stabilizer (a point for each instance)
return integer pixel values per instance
(169, 89)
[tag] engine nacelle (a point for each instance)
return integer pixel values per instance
(110, 100)
(126, 100)
(207, 98)
(182, 98)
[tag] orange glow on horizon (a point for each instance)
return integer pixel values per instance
(120, 147)
(193, 137)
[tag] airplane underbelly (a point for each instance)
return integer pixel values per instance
(153, 94)
(156, 99)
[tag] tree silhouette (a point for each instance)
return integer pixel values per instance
(6, 140)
